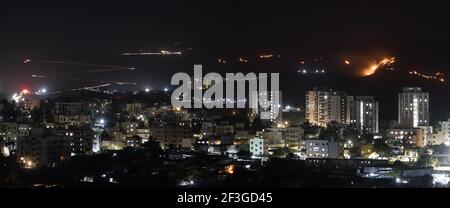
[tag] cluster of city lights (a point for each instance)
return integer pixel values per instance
(243, 60)
(317, 71)
(266, 56)
(18, 97)
(160, 53)
(289, 108)
(148, 90)
(221, 61)
(29, 164)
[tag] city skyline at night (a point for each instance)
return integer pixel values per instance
(194, 95)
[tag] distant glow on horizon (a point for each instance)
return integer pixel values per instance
(25, 91)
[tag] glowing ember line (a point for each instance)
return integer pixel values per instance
(438, 76)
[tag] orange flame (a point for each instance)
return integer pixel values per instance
(374, 67)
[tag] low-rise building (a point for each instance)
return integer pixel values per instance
(143, 133)
(214, 129)
(23, 130)
(437, 138)
(409, 155)
(42, 149)
(257, 146)
(409, 137)
(208, 129)
(273, 137)
(29, 104)
(133, 141)
(82, 139)
(71, 108)
(445, 128)
(292, 137)
(176, 135)
(134, 109)
(112, 142)
(321, 149)
(130, 127)
(242, 137)
(224, 130)
(72, 120)
(9, 130)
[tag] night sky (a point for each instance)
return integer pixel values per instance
(417, 34)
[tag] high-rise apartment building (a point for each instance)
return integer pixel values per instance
(364, 114)
(325, 106)
(316, 107)
(413, 108)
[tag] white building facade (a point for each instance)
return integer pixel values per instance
(321, 149)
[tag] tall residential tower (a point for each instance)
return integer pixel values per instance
(364, 114)
(325, 106)
(413, 108)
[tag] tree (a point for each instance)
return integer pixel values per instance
(355, 151)
(332, 131)
(309, 129)
(258, 124)
(292, 156)
(105, 136)
(282, 152)
(8, 111)
(367, 138)
(38, 115)
(426, 161)
(440, 149)
(367, 150)
(172, 146)
(399, 164)
(351, 134)
(153, 148)
(244, 154)
(382, 148)
(194, 173)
